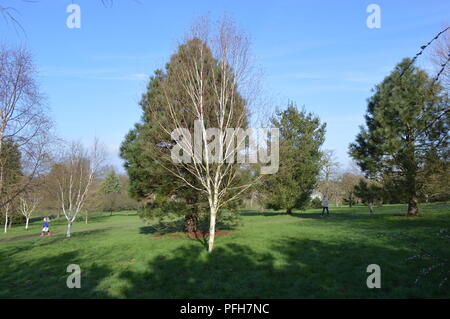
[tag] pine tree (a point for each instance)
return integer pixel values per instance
(405, 122)
(301, 136)
(368, 191)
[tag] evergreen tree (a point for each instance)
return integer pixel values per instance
(301, 136)
(11, 171)
(150, 181)
(368, 191)
(405, 124)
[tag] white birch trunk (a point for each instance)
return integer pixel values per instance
(69, 229)
(212, 228)
(27, 222)
(6, 223)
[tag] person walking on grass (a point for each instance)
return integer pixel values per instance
(325, 205)
(45, 230)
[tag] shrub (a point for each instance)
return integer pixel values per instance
(315, 203)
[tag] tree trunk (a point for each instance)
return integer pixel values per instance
(411, 186)
(27, 222)
(10, 222)
(413, 208)
(369, 204)
(289, 211)
(6, 223)
(212, 229)
(86, 219)
(69, 229)
(190, 223)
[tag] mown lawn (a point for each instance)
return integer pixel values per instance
(271, 255)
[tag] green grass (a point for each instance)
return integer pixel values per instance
(271, 255)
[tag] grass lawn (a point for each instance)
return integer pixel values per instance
(271, 255)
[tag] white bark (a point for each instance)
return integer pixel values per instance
(77, 171)
(6, 209)
(28, 205)
(6, 223)
(212, 229)
(214, 178)
(69, 229)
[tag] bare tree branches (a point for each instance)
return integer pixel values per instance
(9, 15)
(74, 172)
(28, 204)
(424, 47)
(440, 56)
(24, 124)
(213, 70)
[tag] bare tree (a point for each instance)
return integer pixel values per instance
(28, 204)
(74, 173)
(329, 175)
(24, 124)
(214, 71)
(347, 183)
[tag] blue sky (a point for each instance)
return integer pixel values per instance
(319, 54)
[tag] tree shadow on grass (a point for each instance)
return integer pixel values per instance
(293, 268)
(155, 230)
(261, 213)
(285, 268)
(177, 231)
(288, 268)
(46, 277)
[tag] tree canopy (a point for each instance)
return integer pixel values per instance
(404, 125)
(301, 136)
